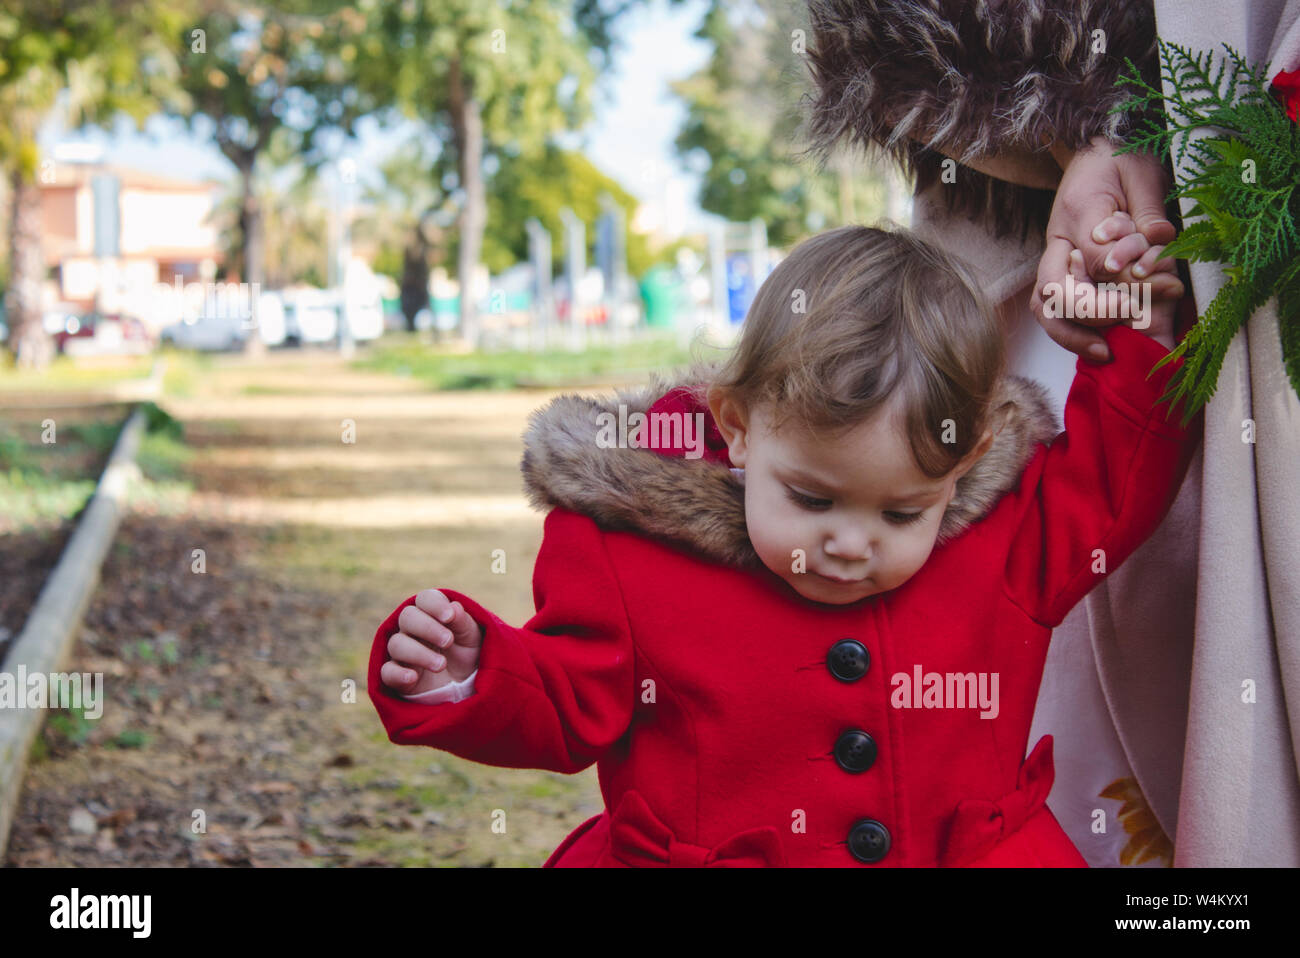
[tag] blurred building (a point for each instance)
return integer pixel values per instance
(111, 233)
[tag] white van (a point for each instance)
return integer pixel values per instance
(310, 315)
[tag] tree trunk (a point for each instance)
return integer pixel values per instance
(415, 278)
(467, 127)
(253, 233)
(32, 346)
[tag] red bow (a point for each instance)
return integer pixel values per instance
(640, 839)
(979, 824)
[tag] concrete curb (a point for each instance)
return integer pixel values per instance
(46, 638)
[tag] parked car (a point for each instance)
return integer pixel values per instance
(78, 327)
(310, 316)
(271, 318)
(204, 333)
(317, 315)
(360, 301)
(229, 329)
(64, 320)
(97, 335)
(365, 317)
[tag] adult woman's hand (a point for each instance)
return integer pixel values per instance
(1096, 184)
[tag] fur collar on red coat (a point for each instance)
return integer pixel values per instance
(699, 503)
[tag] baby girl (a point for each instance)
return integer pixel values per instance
(820, 643)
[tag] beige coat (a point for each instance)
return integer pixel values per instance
(1177, 680)
(1212, 600)
(1240, 795)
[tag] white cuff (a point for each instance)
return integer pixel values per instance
(452, 692)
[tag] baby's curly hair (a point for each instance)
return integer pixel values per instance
(857, 318)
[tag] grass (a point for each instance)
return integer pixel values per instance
(29, 499)
(65, 728)
(72, 725)
(440, 370)
(163, 455)
(65, 374)
(98, 436)
(164, 459)
(184, 369)
(42, 482)
(130, 738)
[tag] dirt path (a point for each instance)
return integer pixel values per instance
(225, 683)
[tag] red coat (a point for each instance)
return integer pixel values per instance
(735, 722)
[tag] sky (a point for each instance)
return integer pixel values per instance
(631, 138)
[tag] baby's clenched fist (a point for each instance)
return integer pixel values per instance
(438, 643)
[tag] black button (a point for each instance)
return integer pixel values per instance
(868, 840)
(848, 660)
(855, 751)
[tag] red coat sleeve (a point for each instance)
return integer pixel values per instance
(1105, 483)
(553, 694)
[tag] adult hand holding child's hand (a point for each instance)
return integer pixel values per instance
(438, 644)
(1095, 185)
(1158, 323)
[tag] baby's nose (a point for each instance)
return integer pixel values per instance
(850, 546)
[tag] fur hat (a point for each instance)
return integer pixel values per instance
(925, 79)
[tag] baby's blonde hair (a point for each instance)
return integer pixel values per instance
(858, 317)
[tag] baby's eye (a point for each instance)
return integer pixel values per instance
(808, 502)
(903, 518)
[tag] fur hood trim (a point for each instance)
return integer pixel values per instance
(925, 79)
(700, 504)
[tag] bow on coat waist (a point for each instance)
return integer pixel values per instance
(978, 824)
(640, 839)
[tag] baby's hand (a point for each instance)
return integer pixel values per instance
(438, 644)
(1130, 257)
(1138, 309)
(1136, 260)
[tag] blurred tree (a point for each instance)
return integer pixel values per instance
(255, 72)
(295, 220)
(743, 117)
(481, 77)
(112, 57)
(406, 221)
(541, 186)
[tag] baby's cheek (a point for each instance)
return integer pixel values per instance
(757, 526)
(921, 548)
(775, 537)
(907, 554)
(774, 545)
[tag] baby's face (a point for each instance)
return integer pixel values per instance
(857, 509)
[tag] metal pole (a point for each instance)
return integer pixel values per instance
(539, 253)
(718, 271)
(758, 251)
(575, 265)
(347, 174)
(614, 266)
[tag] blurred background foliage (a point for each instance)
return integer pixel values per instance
(497, 92)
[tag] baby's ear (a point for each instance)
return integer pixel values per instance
(977, 451)
(1002, 414)
(731, 422)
